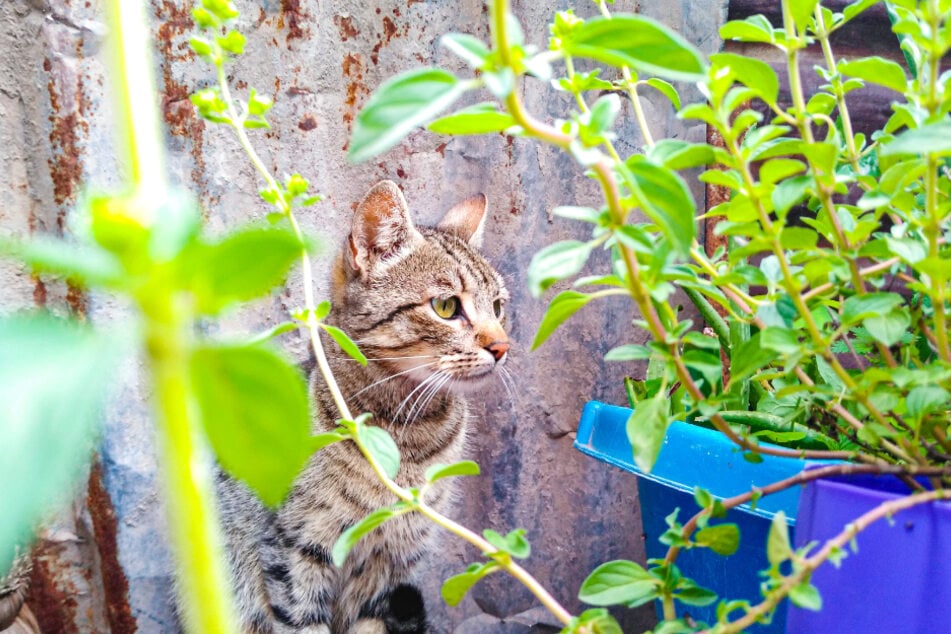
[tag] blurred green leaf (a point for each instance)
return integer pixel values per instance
(346, 343)
(255, 411)
(514, 543)
(382, 447)
(86, 264)
(722, 539)
(639, 42)
(562, 306)
(349, 538)
(806, 596)
(646, 429)
(455, 587)
(876, 70)
(932, 138)
(54, 376)
(556, 262)
(399, 106)
(801, 11)
(778, 549)
(752, 73)
(482, 118)
(244, 265)
(470, 49)
(461, 468)
(665, 89)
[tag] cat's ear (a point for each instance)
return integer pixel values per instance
(467, 220)
(382, 229)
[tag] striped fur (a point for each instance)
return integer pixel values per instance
(422, 366)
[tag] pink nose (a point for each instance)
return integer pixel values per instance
(498, 349)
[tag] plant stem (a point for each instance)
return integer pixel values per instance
(807, 566)
(188, 482)
(203, 580)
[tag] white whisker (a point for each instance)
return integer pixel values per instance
(391, 377)
(429, 379)
(425, 399)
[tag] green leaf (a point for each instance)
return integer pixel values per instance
(54, 376)
(790, 192)
(86, 264)
(461, 468)
(349, 538)
(677, 155)
(755, 28)
(279, 329)
(805, 595)
(563, 306)
(752, 73)
(693, 594)
(665, 89)
(593, 621)
(382, 447)
(346, 343)
(859, 307)
(639, 42)
(619, 582)
(470, 49)
(628, 352)
(398, 106)
(254, 409)
(514, 543)
(888, 328)
(482, 118)
(244, 265)
(749, 358)
(646, 429)
(722, 539)
(876, 70)
(232, 41)
(556, 262)
(455, 587)
(665, 199)
(778, 549)
(926, 398)
(801, 11)
(932, 138)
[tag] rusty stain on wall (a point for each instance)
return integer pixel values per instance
(177, 109)
(52, 595)
(67, 121)
(115, 585)
(294, 18)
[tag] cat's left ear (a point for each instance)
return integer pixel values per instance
(467, 220)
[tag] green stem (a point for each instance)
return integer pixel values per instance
(203, 580)
(806, 567)
(185, 467)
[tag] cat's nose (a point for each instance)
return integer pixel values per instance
(498, 349)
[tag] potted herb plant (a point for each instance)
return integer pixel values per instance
(826, 319)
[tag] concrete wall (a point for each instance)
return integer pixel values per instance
(102, 565)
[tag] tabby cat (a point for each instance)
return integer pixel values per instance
(428, 311)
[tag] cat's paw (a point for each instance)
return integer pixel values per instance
(407, 611)
(316, 629)
(369, 626)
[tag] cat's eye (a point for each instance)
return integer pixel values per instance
(497, 307)
(446, 307)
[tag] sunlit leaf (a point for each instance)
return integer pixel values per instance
(619, 582)
(400, 105)
(646, 429)
(563, 306)
(53, 379)
(254, 409)
(639, 42)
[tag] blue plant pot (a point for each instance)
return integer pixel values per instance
(898, 579)
(694, 456)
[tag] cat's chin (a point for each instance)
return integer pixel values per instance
(467, 385)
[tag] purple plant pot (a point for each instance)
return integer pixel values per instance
(899, 580)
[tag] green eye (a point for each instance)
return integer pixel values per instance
(446, 307)
(497, 307)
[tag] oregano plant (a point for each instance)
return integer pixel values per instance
(826, 319)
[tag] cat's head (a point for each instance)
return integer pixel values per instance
(422, 300)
